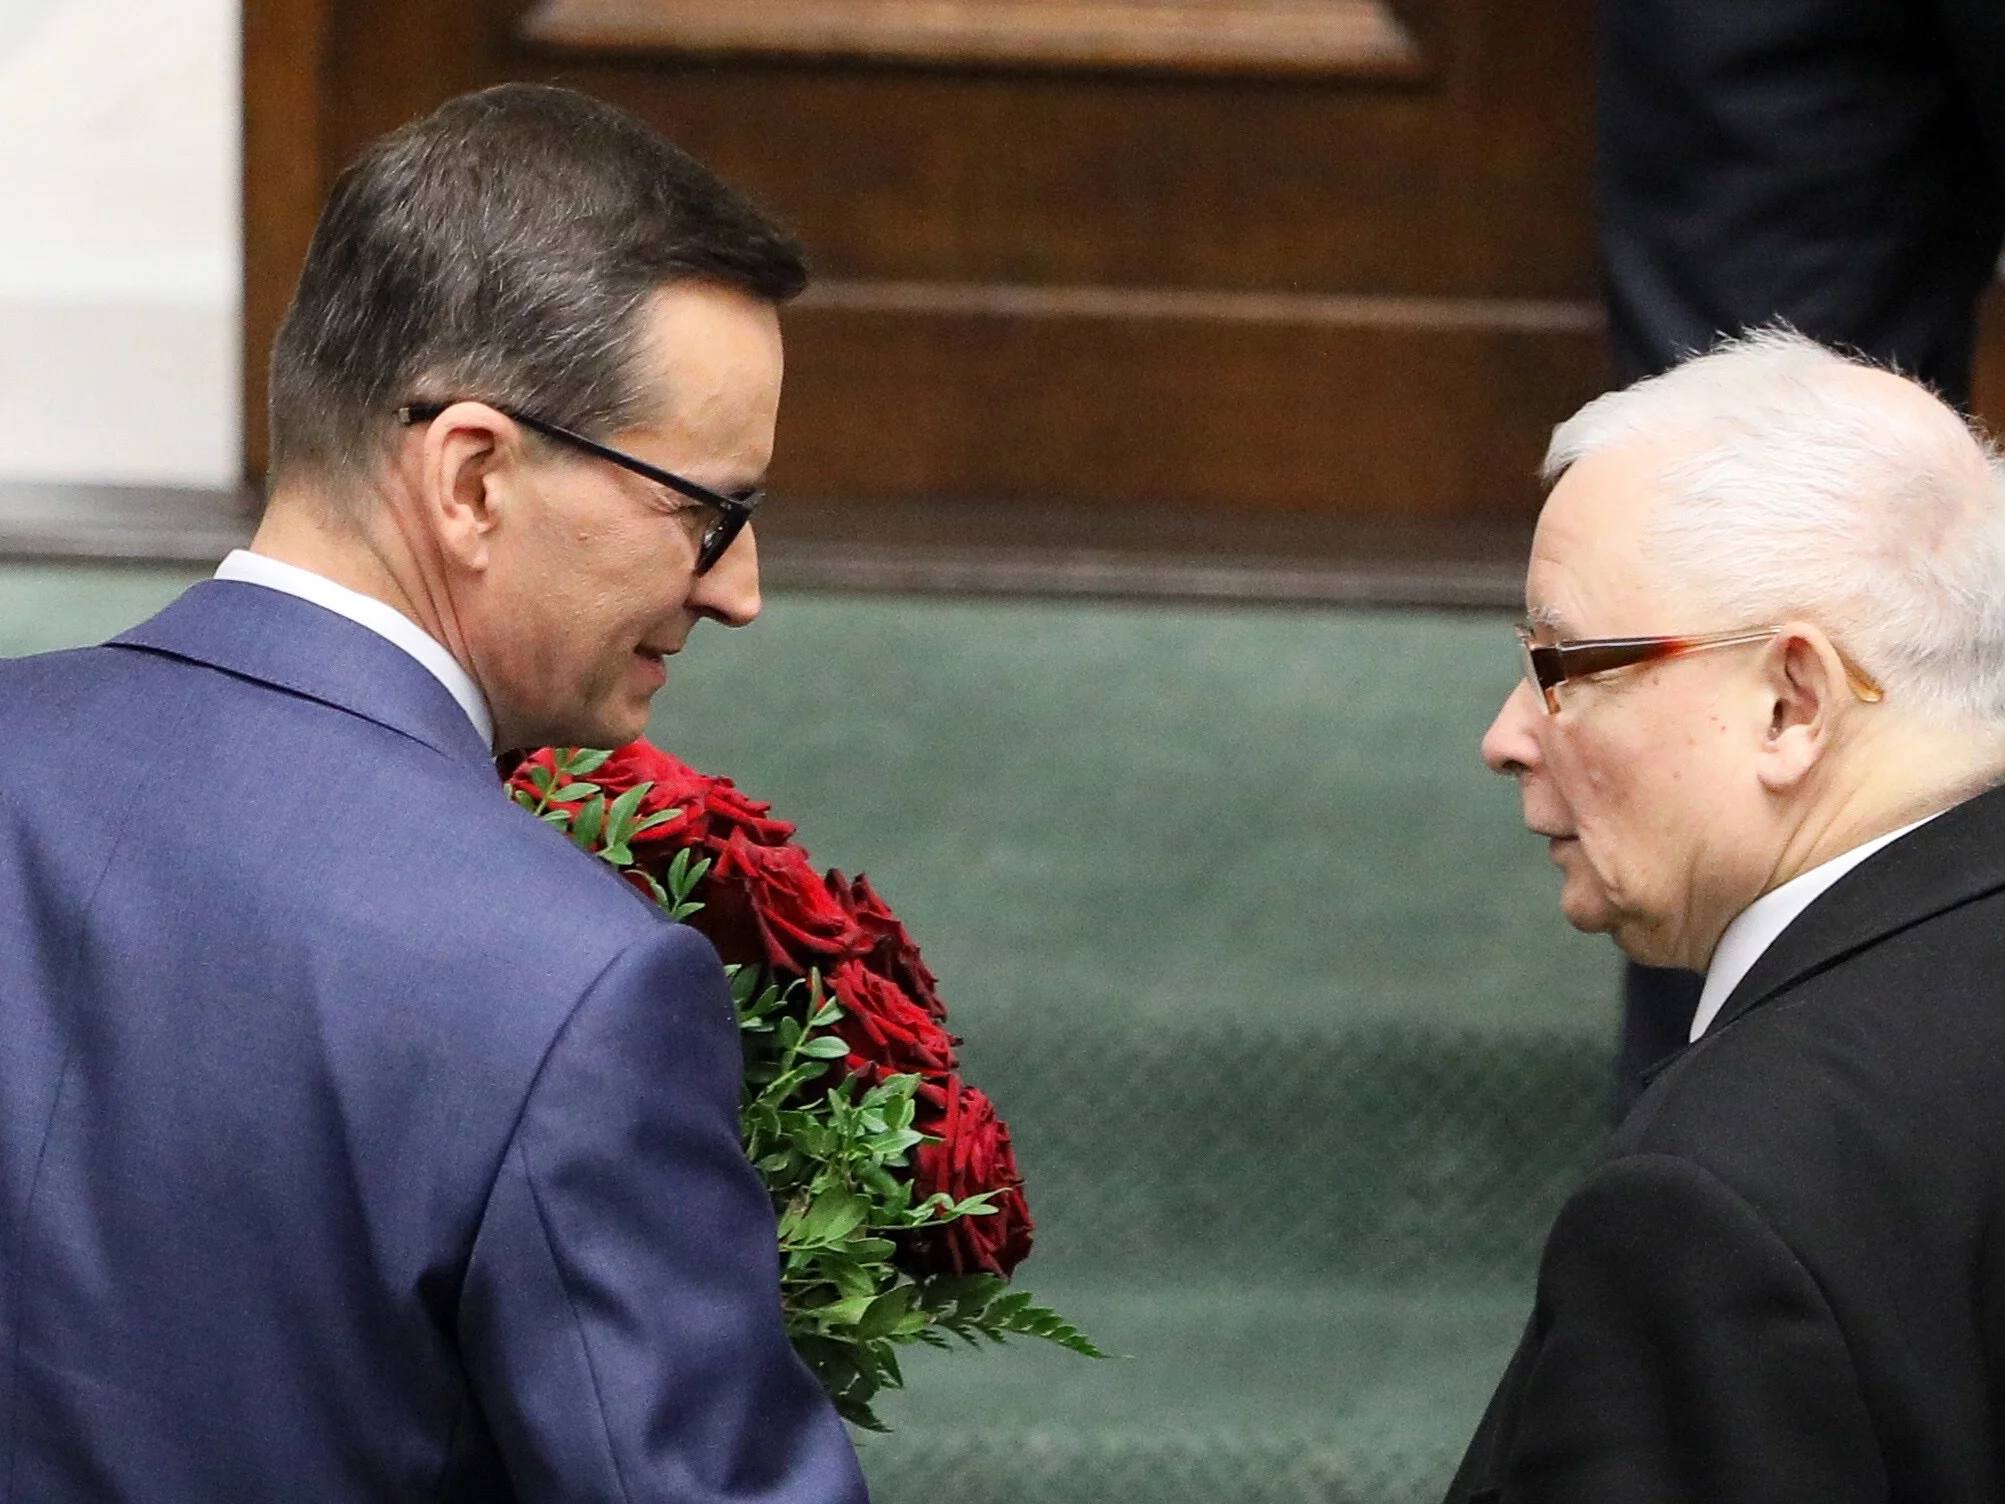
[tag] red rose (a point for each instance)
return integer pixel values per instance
(711, 807)
(515, 768)
(892, 953)
(887, 1033)
(762, 903)
(973, 1155)
(674, 786)
(729, 810)
(767, 905)
(675, 782)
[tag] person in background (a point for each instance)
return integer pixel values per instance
(1838, 164)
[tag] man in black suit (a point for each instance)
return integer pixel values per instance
(1762, 726)
(1836, 163)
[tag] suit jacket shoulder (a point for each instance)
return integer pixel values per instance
(323, 1060)
(1788, 1250)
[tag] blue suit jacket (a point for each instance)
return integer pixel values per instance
(360, 1138)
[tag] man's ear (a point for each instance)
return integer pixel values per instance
(1804, 688)
(469, 465)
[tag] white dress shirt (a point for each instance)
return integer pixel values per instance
(385, 620)
(1756, 927)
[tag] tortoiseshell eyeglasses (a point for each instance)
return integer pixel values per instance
(1548, 665)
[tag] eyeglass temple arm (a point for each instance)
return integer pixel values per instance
(421, 412)
(1579, 660)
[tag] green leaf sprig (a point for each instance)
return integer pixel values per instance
(564, 798)
(837, 1160)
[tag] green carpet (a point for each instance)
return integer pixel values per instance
(1257, 960)
(1173, 814)
(1222, 1392)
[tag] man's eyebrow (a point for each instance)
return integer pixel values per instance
(1548, 617)
(732, 488)
(737, 485)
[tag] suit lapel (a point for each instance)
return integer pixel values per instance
(307, 650)
(1956, 857)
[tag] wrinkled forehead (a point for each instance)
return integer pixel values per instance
(1591, 573)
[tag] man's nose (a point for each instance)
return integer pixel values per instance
(729, 592)
(1511, 745)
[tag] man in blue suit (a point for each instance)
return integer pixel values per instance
(360, 1138)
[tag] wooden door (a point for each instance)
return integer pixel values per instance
(1258, 275)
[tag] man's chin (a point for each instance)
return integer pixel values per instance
(620, 714)
(604, 727)
(1641, 941)
(618, 730)
(1586, 909)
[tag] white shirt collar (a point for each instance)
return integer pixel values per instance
(1758, 925)
(380, 617)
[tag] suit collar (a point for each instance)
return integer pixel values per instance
(1958, 856)
(308, 650)
(378, 616)
(1763, 922)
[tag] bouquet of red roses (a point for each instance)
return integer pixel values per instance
(901, 1212)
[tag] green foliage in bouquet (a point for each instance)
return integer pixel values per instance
(838, 1163)
(877, 1174)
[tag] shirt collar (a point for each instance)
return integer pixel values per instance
(366, 611)
(1756, 927)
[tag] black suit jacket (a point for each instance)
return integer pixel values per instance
(1838, 163)
(1786, 1280)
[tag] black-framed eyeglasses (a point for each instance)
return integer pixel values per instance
(1548, 665)
(733, 512)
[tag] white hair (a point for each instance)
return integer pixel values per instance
(1793, 490)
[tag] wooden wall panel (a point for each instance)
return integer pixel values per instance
(1140, 182)
(1463, 189)
(1988, 392)
(1362, 418)
(284, 148)
(1473, 185)
(1266, 38)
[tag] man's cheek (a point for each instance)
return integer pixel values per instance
(1544, 809)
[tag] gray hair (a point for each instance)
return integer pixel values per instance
(1792, 493)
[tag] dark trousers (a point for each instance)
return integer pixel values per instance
(1836, 163)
